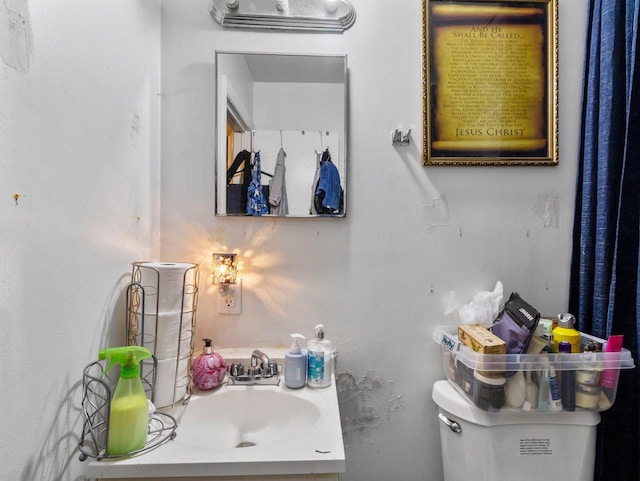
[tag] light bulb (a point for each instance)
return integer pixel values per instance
(331, 5)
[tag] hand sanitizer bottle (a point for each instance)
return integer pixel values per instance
(295, 364)
(319, 359)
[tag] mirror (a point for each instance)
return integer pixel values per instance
(281, 122)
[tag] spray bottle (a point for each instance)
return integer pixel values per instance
(128, 417)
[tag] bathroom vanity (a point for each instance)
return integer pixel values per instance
(243, 432)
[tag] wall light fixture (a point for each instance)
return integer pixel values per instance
(225, 276)
(288, 15)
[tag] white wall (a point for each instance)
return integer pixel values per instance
(79, 130)
(381, 278)
(295, 106)
(239, 85)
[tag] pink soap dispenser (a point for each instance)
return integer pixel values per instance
(209, 368)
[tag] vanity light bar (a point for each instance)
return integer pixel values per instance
(316, 15)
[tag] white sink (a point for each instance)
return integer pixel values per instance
(248, 416)
(244, 431)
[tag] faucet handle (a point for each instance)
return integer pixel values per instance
(236, 369)
(273, 369)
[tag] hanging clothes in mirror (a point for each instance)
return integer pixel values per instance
(256, 202)
(237, 192)
(314, 184)
(328, 194)
(278, 202)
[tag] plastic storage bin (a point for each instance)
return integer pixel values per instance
(482, 377)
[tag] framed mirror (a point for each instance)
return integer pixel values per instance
(281, 135)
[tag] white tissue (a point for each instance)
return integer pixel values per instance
(169, 336)
(484, 307)
(163, 284)
(166, 379)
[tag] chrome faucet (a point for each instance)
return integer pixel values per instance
(262, 361)
(261, 370)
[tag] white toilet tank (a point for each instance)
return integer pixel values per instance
(513, 446)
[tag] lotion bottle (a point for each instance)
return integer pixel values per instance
(319, 359)
(531, 391)
(295, 364)
(516, 390)
(209, 368)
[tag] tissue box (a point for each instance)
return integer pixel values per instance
(475, 374)
(480, 339)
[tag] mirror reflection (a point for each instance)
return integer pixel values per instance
(281, 131)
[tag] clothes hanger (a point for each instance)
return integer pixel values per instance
(321, 144)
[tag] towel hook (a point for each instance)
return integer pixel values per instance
(401, 137)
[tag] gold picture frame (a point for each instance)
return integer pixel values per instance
(490, 82)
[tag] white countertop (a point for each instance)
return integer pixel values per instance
(202, 447)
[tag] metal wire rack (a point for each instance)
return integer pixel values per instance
(97, 389)
(143, 323)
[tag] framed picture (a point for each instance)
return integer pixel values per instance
(490, 82)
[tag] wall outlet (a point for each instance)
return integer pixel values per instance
(231, 303)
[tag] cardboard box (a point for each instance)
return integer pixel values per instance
(480, 339)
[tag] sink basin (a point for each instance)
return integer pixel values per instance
(247, 416)
(246, 432)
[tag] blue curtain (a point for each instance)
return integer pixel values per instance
(604, 291)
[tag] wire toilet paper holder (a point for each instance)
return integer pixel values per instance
(144, 324)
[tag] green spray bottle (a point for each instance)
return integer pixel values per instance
(128, 416)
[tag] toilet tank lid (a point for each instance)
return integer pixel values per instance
(452, 402)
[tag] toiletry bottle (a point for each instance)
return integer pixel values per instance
(567, 382)
(489, 391)
(566, 332)
(295, 364)
(516, 390)
(544, 395)
(531, 390)
(547, 330)
(319, 359)
(609, 377)
(556, 399)
(209, 368)
(128, 415)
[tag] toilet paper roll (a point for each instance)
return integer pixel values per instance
(166, 285)
(163, 335)
(167, 380)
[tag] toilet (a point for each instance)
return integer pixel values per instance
(512, 445)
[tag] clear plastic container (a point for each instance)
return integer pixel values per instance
(463, 366)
